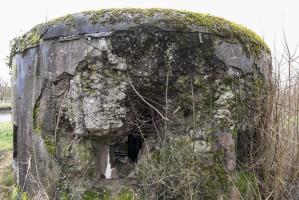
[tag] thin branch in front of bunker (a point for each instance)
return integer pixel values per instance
(59, 114)
(193, 112)
(156, 129)
(142, 135)
(147, 103)
(39, 183)
(166, 97)
(80, 184)
(26, 176)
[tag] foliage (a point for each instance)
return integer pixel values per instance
(17, 194)
(247, 185)
(126, 194)
(175, 171)
(5, 90)
(95, 195)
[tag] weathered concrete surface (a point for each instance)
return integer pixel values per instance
(95, 88)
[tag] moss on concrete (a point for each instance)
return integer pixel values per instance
(37, 127)
(216, 181)
(68, 20)
(50, 146)
(33, 37)
(179, 19)
(84, 153)
(216, 25)
(26, 41)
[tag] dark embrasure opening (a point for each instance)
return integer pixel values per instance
(15, 141)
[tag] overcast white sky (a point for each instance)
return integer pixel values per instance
(266, 17)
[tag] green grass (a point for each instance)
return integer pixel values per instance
(6, 176)
(5, 136)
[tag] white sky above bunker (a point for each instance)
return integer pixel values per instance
(267, 18)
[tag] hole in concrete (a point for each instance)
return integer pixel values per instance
(134, 145)
(15, 141)
(187, 113)
(119, 154)
(126, 150)
(123, 154)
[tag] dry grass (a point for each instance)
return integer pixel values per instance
(175, 171)
(277, 164)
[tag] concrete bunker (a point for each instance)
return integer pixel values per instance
(96, 92)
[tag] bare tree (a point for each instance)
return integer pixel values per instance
(5, 90)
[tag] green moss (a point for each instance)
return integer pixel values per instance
(26, 41)
(216, 25)
(36, 124)
(84, 152)
(50, 146)
(20, 44)
(37, 129)
(251, 42)
(216, 180)
(68, 20)
(32, 38)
